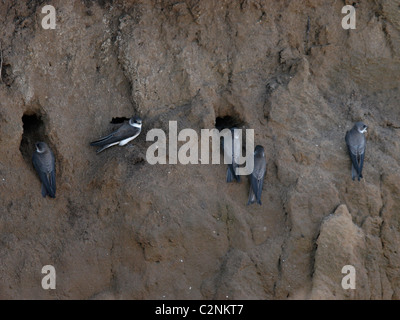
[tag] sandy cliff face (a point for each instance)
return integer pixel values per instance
(122, 228)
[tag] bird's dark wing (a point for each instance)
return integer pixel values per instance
(354, 161)
(352, 152)
(124, 132)
(237, 177)
(103, 140)
(361, 163)
(259, 189)
(44, 191)
(46, 184)
(231, 173)
(38, 165)
(52, 182)
(255, 186)
(252, 197)
(104, 147)
(47, 175)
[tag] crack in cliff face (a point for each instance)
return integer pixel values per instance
(382, 18)
(225, 216)
(1, 62)
(381, 235)
(282, 257)
(113, 273)
(230, 55)
(391, 125)
(313, 253)
(388, 38)
(116, 36)
(382, 197)
(306, 42)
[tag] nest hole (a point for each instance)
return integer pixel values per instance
(228, 122)
(119, 120)
(33, 131)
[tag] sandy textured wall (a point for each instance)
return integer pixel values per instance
(122, 228)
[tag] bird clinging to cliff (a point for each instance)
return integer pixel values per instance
(257, 176)
(44, 162)
(355, 141)
(232, 150)
(126, 133)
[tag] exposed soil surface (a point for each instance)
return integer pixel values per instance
(120, 228)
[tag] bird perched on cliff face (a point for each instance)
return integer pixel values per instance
(44, 162)
(127, 132)
(232, 150)
(257, 176)
(355, 141)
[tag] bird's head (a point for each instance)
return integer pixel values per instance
(41, 146)
(361, 127)
(135, 121)
(259, 150)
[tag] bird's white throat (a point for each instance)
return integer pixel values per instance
(136, 125)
